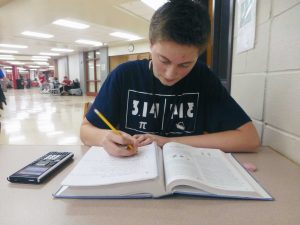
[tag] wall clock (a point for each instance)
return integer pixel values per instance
(130, 47)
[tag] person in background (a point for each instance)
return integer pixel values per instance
(66, 85)
(2, 101)
(173, 97)
(28, 83)
(75, 84)
(55, 83)
(43, 83)
(3, 79)
(2, 73)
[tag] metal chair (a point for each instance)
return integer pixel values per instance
(54, 90)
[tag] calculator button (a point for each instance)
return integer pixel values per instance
(42, 163)
(51, 163)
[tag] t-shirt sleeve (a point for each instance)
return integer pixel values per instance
(107, 102)
(222, 111)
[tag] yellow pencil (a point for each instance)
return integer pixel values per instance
(102, 117)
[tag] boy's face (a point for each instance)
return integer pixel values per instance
(172, 61)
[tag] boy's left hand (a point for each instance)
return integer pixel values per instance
(145, 139)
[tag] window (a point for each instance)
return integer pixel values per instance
(93, 72)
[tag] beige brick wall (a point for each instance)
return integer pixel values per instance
(266, 79)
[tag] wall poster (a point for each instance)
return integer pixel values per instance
(246, 25)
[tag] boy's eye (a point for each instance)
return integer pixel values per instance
(185, 65)
(164, 62)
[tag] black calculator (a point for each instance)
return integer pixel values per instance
(37, 171)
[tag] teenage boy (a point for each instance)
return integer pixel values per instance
(173, 97)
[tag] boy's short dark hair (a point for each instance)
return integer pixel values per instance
(182, 21)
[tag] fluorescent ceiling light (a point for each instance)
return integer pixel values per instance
(7, 57)
(13, 46)
(36, 34)
(130, 37)
(71, 24)
(34, 66)
(154, 4)
(8, 51)
(41, 57)
(62, 50)
(16, 62)
(49, 53)
(42, 63)
(88, 42)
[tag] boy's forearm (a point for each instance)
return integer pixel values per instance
(91, 136)
(244, 140)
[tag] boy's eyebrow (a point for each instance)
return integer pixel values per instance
(165, 58)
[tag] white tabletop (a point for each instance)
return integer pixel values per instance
(34, 204)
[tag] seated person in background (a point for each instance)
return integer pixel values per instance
(75, 90)
(9, 83)
(28, 83)
(66, 85)
(55, 82)
(75, 84)
(2, 98)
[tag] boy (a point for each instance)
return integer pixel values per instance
(173, 97)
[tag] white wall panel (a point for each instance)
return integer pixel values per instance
(238, 60)
(63, 69)
(283, 142)
(257, 58)
(259, 127)
(263, 11)
(283, 101)
(285, 41)
(74, 67)
(248, 91)
(272, 70)
(280, 6)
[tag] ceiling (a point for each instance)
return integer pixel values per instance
(103, 16)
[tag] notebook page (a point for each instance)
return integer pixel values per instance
(99, 168)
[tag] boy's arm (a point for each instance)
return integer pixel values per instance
(243, 139)
(113, 144)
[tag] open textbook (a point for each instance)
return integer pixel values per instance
(155, 172)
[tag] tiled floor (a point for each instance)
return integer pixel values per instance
(32, 118)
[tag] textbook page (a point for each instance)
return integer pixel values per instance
(199, 167)
(97, 167)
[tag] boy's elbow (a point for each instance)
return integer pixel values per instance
(252, 139)
(254, 145)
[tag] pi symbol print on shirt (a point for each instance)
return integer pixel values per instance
(159, 113)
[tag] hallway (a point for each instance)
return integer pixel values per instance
(32, 118)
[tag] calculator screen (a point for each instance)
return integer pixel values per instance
(33, 170)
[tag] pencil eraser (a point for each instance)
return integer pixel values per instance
(250, 166)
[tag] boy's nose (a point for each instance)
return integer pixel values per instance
(170, 72)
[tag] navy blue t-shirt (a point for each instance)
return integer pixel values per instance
(135, 101)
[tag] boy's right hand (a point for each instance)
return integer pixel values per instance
(117, 145)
